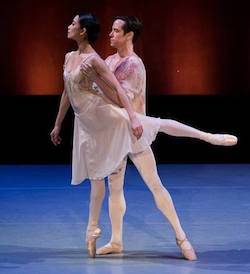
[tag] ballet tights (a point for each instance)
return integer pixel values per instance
(96, 198)
(145, 163)
(174, 128)
(117, 205)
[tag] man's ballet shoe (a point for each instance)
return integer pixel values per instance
(91, 238)
(188, 253)
(109, 249)
(221, 139)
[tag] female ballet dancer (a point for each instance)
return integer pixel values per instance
(104, 133)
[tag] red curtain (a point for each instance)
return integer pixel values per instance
(188, 47)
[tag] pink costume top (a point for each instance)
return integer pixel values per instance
(131, 74)
(102, 131)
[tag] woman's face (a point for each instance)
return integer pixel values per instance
(74, 29)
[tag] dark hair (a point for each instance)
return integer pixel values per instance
(133, 24)
(91, 24)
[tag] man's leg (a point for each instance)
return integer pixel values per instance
(117, 208)
(146, 165)
(96, 198)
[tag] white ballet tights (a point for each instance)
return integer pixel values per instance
(174, 128)
(117, 204)
(146, 165)
(96, 198)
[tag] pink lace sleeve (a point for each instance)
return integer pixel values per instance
(131, 75)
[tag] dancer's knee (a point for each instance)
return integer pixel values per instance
(115, 183)
(115, 190)
(157, 188)
(151, 178)
(97, 196)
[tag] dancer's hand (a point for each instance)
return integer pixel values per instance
(88, 71)
(54, 136)
(136, 127)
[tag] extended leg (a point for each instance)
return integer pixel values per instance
(174, 128)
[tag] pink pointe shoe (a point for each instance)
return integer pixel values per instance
(91, 238)
(188, 253)
(221, 139)
(109, 248)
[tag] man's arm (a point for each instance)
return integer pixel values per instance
(131, 76)
(106, 89)
(104, 83)
(115, 92)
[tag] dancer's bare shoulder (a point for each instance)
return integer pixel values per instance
(97, 62)
(70, 54)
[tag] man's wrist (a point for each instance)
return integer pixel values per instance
(132, 116)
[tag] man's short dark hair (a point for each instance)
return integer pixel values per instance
(133, 24)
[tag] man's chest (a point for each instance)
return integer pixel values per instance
(118, 65)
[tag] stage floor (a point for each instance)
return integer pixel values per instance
(43, 220)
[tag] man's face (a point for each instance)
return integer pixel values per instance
(117, 36)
